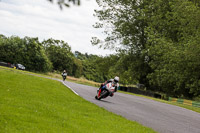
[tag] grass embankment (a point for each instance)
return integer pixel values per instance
(35, 104)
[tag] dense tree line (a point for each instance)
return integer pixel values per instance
(27, 51)
(48, 55)
(55, 56)
(97, 68)
(159, 42)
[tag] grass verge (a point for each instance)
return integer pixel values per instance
(76, 80)
(35, 104)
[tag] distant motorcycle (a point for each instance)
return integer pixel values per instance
(64, 76)
(106, 90)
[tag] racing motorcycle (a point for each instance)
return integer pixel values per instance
(64, 76)
(106, 90)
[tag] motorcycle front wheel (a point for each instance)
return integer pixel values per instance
(64, 78)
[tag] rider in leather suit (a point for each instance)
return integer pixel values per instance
(114, 84)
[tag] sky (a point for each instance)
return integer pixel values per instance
(42, 19)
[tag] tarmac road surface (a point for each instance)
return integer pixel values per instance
(163, 118)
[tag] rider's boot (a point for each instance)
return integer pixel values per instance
(111, 94)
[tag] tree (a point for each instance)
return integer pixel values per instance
(77, 68)
(66, 3)
(125, 24)
(27, 51)
(157, 39)
(172, 36)
(59, 53)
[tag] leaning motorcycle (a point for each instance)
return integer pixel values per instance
(107, 90)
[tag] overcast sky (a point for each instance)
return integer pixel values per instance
(42, 19)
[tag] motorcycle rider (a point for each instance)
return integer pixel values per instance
(64, 75)
(114, 84)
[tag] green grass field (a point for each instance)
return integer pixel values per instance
(34, 104)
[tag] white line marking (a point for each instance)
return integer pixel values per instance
(70, 88)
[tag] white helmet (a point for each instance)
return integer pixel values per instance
(116, 79)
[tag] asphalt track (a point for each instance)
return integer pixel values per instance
(161, 117)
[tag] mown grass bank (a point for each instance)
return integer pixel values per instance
(34, 104)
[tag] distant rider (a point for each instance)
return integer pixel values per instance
(111, 83)
(64, 75)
